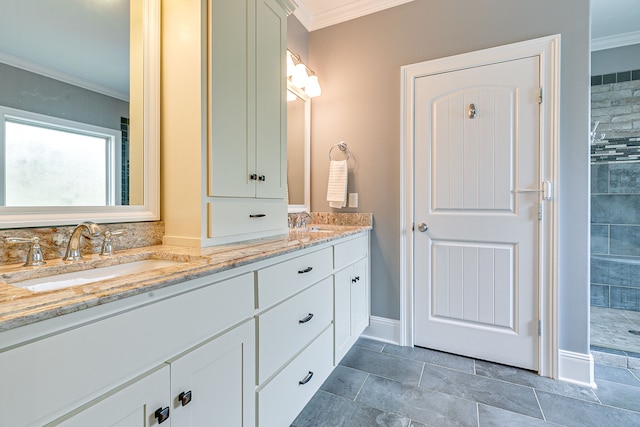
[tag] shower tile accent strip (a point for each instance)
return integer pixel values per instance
(623, 76)
(620, 150)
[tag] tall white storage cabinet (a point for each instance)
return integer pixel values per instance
(224, 120)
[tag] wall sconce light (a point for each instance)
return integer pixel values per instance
(302, 76)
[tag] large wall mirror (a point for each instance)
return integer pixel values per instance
(79, 111)
(298, 149)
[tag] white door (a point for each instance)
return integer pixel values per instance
(477, 139)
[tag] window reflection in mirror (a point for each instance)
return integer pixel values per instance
(298, 157)
(80, 61)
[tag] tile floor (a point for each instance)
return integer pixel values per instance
(610, 329)
(378, 384)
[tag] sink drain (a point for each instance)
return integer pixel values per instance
(634, 332)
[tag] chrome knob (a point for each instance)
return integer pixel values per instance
(423, 227)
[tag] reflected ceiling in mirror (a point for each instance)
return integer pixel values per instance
(87, 73)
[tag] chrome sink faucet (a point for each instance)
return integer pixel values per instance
(73, 247)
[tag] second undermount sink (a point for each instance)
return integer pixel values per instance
(316, 229)
(76, 278)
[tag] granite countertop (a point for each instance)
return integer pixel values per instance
(20, 307)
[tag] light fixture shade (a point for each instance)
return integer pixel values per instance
(313, 87)
(290, 64)
(300, 76)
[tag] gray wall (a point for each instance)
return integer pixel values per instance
(298, 38)
(607, 61)
(358, 63)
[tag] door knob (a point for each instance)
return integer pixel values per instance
(423, 227)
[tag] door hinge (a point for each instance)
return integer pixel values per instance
(539, 328)
(539, 95)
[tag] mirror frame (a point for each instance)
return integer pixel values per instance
(19, 217)
(306, 207)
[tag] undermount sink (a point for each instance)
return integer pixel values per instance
(318, 230)
(76, 278)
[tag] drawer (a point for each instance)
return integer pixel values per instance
(58, 373)
(232, 217)
(350, 251)
(282, 280)
(287, 328)
(280, 401)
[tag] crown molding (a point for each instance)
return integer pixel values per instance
(617, 40)
(315, 21)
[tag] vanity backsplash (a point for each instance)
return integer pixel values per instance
(53, 240)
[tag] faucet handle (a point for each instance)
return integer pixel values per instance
(107, 245)
(34, 255)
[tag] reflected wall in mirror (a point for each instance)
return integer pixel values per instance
(298, 149)
(79, 108)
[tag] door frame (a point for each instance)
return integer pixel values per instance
(548, 49)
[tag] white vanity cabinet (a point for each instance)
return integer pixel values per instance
(295, 334)
(351, 281)
(146, 356)
(224, 120)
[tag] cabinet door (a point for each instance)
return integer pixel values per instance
(231, 98)
(359, 299)
(271, 146)
(217, 379)
(342, 313)
(132, 405)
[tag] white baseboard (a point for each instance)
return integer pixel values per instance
(383, 329)
(576, 368)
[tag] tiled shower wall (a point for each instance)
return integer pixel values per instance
(615, 193)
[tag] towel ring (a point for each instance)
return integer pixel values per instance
(343, 147)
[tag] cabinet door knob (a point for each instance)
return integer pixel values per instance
(162, 414)
(185, 397)
(306, 270)
(253, 177)
(306, 379)
(262, 178)
(306, 319)
(357, 278)
(354, 280)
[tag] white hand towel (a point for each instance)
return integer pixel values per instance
(337, 186)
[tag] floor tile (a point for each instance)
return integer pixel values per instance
(425, 406)
(328, 410)
(574, 412)
(490, 416)
(492, 392)
(619, 395)
(345, 382)
(384, 365)
(433, 357)
(531, 379)
(615, 374)
(370, 344)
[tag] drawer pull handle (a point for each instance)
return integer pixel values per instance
(162, 414)
(185, 397)
(257, 215)
(306, 319)
(306, 270)
(306, 379)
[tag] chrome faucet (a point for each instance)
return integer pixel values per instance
(73, 247)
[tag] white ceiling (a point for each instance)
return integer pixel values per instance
(614, 22)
